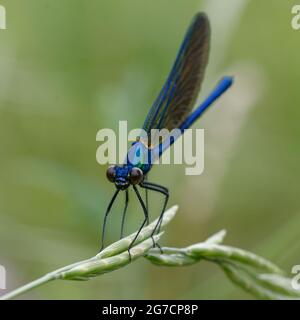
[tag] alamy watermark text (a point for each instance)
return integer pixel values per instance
(2, 17)
(153, 149)
(296, 17)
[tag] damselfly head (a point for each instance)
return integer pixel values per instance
(119, 176)
(124, 176)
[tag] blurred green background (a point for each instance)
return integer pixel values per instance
(69, 68)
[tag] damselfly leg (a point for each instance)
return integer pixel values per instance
(163, 190)
(146, 218)
(124, 213)
(105, 217)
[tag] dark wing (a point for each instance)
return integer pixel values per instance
(181, 89)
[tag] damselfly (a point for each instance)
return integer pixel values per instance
(171, 109)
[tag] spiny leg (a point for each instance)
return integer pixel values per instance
(165, 192)
(105, 217)
(144, 222)
(124, 212)
(146, 197)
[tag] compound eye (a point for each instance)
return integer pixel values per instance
(111, 173)
(136, 176)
